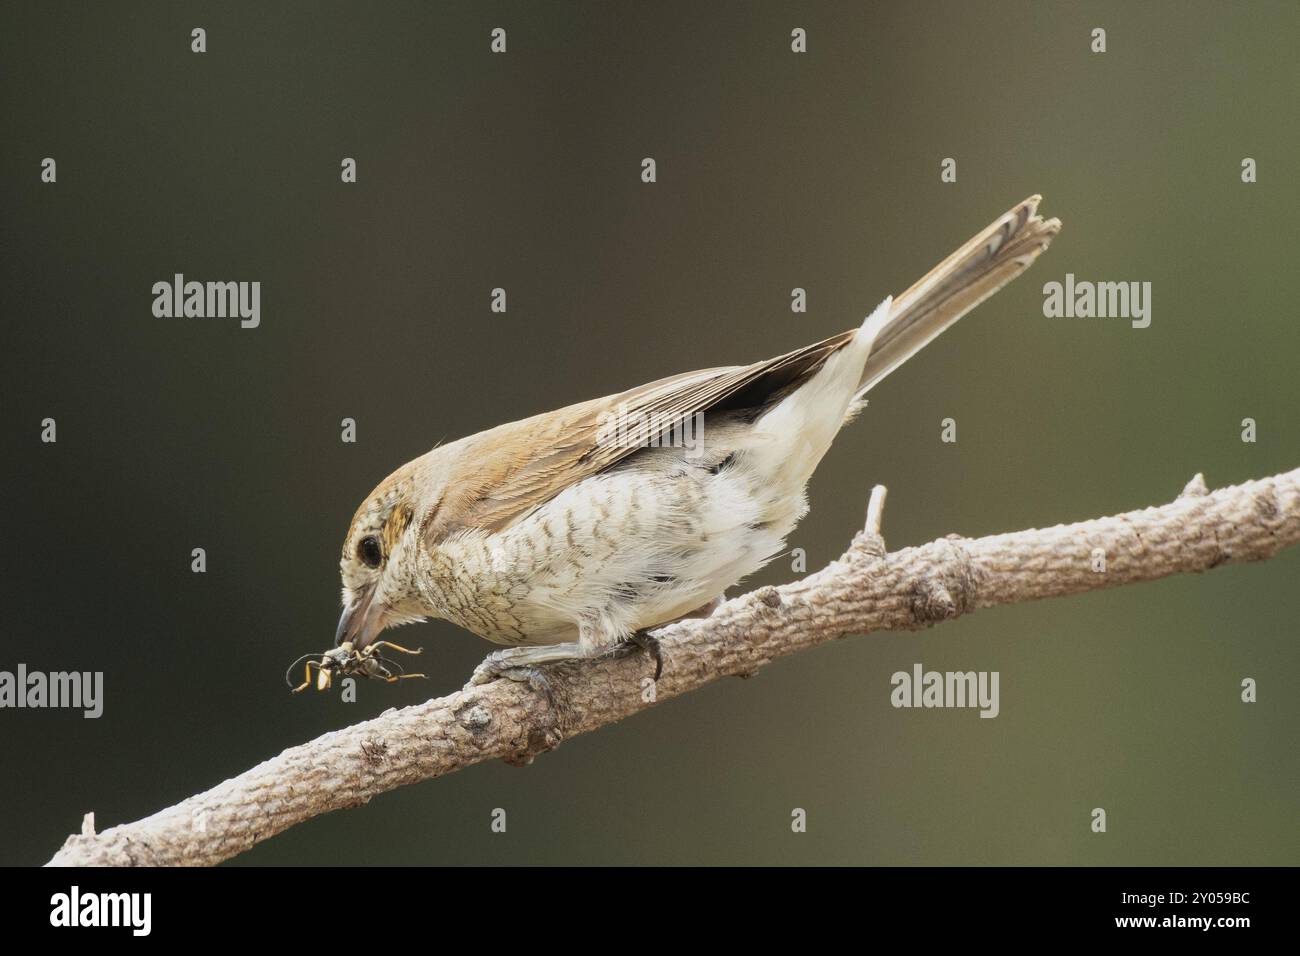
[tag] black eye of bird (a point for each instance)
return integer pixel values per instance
(369, 551)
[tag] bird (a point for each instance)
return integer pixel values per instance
(572, 534)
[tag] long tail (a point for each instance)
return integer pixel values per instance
(987, 262)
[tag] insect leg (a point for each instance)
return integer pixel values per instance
(306, 675)
(397, 647)
(287, 681)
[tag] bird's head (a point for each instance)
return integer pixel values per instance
(378, 561)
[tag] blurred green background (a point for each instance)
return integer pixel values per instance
(776, 170)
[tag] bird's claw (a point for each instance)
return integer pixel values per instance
(488, 670)
(650, 644)
(497, 664)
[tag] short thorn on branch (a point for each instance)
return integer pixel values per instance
(870, 539)
(876, 510)
(1195, 488)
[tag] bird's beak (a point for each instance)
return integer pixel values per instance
(361, 621)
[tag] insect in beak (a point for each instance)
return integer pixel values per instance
(346, 661)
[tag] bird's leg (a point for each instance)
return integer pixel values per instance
(521, 664)
(645, 641)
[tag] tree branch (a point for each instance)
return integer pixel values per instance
(866, 590)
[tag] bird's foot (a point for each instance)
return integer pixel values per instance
(650, 644)
(502, 664)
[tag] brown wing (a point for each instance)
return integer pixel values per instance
(518, 466)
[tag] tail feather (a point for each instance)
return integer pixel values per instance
(987, 262)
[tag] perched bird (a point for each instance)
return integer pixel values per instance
(573, 532)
